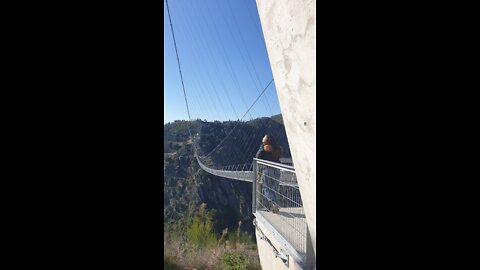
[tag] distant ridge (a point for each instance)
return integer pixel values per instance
(278, 118)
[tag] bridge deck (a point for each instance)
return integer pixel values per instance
(289, 222)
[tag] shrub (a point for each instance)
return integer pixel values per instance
(200, 232)
(234, 261)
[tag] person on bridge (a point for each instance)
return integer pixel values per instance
(270, 177)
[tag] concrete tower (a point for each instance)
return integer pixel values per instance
(289, 28)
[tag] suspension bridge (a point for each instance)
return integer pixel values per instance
(286, 236)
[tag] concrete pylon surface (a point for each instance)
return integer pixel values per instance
(289, 28)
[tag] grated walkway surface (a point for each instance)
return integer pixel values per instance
(290, 223)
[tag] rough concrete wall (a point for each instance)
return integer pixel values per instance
(289, 28)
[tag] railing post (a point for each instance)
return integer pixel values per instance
(254, 187)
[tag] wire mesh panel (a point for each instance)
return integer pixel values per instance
(237, 175)
(278, 200)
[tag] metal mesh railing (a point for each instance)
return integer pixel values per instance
(237, 175)
(278, 200)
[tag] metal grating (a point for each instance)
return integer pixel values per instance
(278, 200)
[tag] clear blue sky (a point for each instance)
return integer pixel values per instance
(224, 61)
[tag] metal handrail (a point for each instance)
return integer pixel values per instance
(276, 165)
(279, 203)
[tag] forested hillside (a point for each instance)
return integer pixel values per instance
(194, 198)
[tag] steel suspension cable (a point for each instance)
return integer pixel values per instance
(179, 68)
(248, 54)
(211, 55)
(242, 116)
(185, 95)
(191, 37)
(227, 59)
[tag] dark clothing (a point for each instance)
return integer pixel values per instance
(269, 179)
(265, 155)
